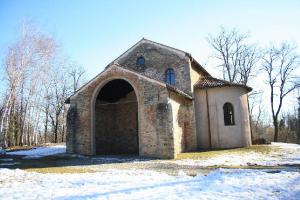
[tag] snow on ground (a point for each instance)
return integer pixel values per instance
(40, 151)
(287, 154)
(8, 164)
(146, 184)
(6, 159)
(283, 154)
(143, 184)
(2, 151)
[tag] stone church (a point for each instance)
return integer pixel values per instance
(156, 101)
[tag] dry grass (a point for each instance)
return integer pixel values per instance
(264, 149)
(26, 147)
(20, 148)
(61, 170)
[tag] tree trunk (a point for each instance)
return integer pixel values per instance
(286, 136)
(55, 129)
(63, 133)
(55, 134)
(275, 122)
(46, 121)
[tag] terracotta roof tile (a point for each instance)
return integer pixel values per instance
(211, 82)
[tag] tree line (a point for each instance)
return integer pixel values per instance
(36, 81)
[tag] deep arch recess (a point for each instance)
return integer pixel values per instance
(116, 119)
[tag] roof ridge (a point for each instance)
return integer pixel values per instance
(211, 82)
(126, 51)
(165, 45)
(222, 80)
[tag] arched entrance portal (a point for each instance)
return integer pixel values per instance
(116, 119)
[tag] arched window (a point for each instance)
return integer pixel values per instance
(228, 114)
(170, 76)
(140, 60)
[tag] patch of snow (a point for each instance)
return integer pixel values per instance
(40, 151)
(9, 163)
(119, 159)
(288, 154)
(6, 159)
(286, 145)
(144, 184)
(77, 156)
(2, 151)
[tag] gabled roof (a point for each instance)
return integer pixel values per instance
(143, 40)
(194, 63)
(179, 52)
(211, 82)
(169, 87)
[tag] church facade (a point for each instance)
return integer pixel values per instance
(156, 101)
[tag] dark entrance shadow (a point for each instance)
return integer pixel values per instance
(116, 119)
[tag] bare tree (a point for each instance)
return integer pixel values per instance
(298, 121)
(37, 80)
(26, 65)
(280, 63)
(62, 86)
(256, 104)
(57, 107)
(76, 73)
(247, 64)
(237, 57)
(46, 109)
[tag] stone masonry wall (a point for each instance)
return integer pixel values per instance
(183, 124)
(157, 61)
(155, 136)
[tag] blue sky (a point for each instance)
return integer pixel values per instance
(93, 33)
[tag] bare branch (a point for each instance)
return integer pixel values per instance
(279, 63)
(237, 58)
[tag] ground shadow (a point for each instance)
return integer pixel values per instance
(65, 160)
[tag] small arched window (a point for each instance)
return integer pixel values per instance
(140, 60)
(170, 76)
(228, 114)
